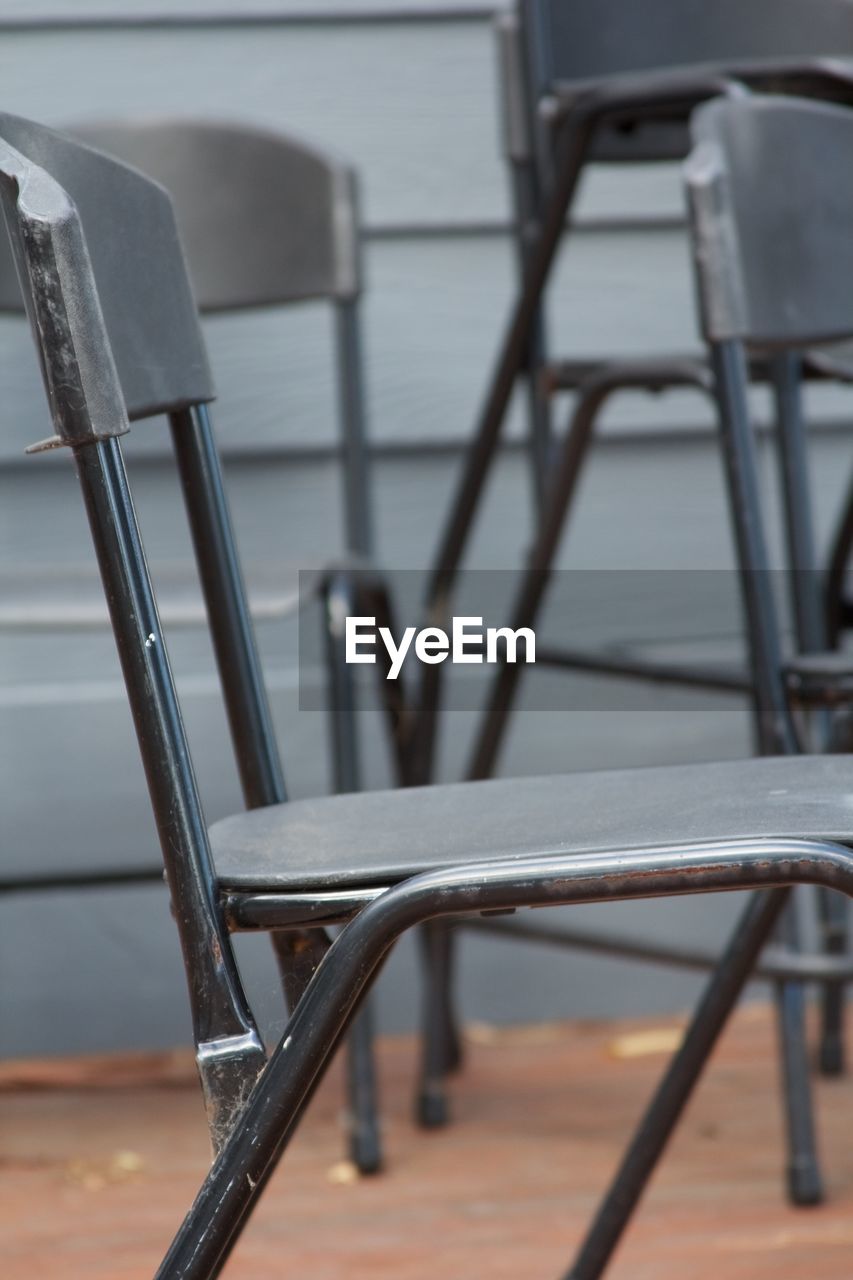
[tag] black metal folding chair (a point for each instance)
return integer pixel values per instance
(553, 56)
(617, 83)
(551, 52)
(284, 228)
(611, 82)
(113, 319)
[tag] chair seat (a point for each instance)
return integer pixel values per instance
(377, 838)
(71, 597)
(834, 360)
(637, 136)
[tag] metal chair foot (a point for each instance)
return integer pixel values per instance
(805, 1188)
(432, 1110)
(365, 1150)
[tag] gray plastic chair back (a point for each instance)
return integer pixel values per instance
(142, 286)
(770, 190)
(593, 39)
(572, 43)
(265, 219)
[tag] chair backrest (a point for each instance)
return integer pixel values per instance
(575, 42)
(770, 190)
(148, 307)
(590, 39)
(104, 280)
(265, 219)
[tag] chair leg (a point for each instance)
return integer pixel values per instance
(811, 631)
(774, 727)
(833, 919)
(441, 1045)
(365, 1144)
(803, 1171)
(527, 203)
(839, 559)
(480, 456)
(540, 435)
(671, 1097)
(364, 1140)
(338, 600)
(373, 598)
(529, 599)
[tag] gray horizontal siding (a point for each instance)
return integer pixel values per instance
(286, 11)
(434, 313)
(413, 108)
(412, 105)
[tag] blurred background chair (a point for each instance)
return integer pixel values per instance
(550, 54)
(615, 84)
(267, 221)
(118, 337)
(770, 231)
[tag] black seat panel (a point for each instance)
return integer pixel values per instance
(384, 836)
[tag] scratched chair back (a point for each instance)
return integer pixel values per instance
(148, 306)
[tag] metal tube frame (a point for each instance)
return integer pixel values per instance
(837, 604)
(811, 632)
(229, 1050)
(250, 718)
(338, 598)
(269, 1116)
(776, 963)
(355, 456)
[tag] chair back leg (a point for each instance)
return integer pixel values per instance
(229, 1051)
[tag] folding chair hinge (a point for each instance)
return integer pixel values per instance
(229, 1069)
